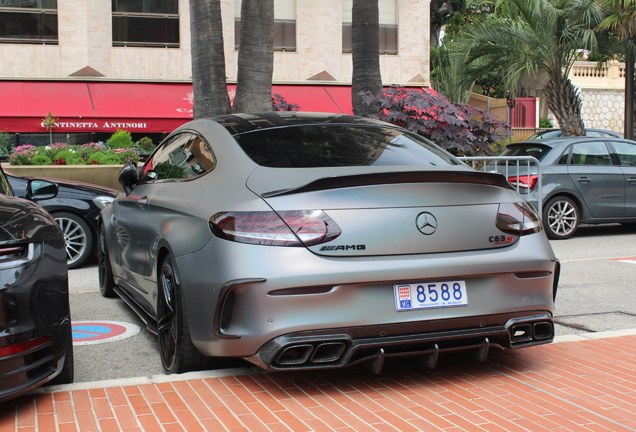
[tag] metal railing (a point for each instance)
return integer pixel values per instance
(493, 164)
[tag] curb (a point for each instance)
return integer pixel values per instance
(158, 379)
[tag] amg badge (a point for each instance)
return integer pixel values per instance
(343, 247)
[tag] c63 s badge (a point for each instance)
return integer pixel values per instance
(501, 239)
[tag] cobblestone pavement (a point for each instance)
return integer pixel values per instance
(577, 384)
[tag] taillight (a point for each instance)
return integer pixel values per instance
(526, 182)
(287, 228)
(518, 219)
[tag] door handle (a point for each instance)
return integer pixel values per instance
(631, 180)
(583, 180)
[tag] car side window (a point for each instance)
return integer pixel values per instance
(626, 153)
(563, 160)
(184, 156)
(590, 153)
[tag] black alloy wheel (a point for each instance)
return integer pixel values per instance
(561, 218)
(178, 353)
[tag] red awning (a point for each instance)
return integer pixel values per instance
(136, 107)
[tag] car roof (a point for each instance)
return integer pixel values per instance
(565, 141)
(249, 122)
(605, 131)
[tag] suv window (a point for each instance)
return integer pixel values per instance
(590, 153)
(311, 146)
(183, 156)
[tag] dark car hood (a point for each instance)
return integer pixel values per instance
(21, 219)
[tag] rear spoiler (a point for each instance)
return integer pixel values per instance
(340, 182)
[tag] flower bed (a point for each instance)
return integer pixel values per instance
(65, 154)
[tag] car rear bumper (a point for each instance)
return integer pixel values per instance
(336, 348)
(253, 295)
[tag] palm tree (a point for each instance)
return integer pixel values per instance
(622, 18)
(208, 59)
(365, 49)
(446, 74)
(537, 36)
(255, 57)
(49, 123)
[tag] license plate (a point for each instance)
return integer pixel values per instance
(427, 295)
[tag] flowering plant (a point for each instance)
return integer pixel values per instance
(65, 154)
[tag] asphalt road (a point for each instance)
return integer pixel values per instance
(596, 293)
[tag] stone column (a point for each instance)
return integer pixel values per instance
(85, 37)
(318, 42)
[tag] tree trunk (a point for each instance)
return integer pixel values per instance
(565, 103)
(208, 59)
(255, 57)
(365, 48)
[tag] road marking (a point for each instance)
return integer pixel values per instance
(625, 260)
(96, 332)
(601, 259)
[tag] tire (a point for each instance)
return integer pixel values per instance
(68, 370)
(561, 218)
(178, 353)
(105, 271)
(78, 237)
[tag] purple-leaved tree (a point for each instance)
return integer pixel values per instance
(459, 128)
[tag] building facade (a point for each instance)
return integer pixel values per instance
(89, 58)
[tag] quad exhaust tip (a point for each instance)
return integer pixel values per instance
(528, 332)
(295, 354)
(326, 352)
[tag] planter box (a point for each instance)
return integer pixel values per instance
(103, 175)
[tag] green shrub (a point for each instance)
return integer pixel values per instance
(67, 157)
(120, 139)
(145, 145)
(22, 155)
(544, 123)
(5, 143)
(41, 159)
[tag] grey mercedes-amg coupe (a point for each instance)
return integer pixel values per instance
(306, 240)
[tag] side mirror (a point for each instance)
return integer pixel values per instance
(41, 190)
(128, 177)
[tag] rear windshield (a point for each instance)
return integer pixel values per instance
(536, 151)
(334, 145)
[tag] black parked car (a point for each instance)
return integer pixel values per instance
(76, 209)
(35, 322)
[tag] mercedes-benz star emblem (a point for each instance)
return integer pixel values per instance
(426, 223)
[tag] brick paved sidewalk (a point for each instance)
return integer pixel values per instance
(570, 386)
